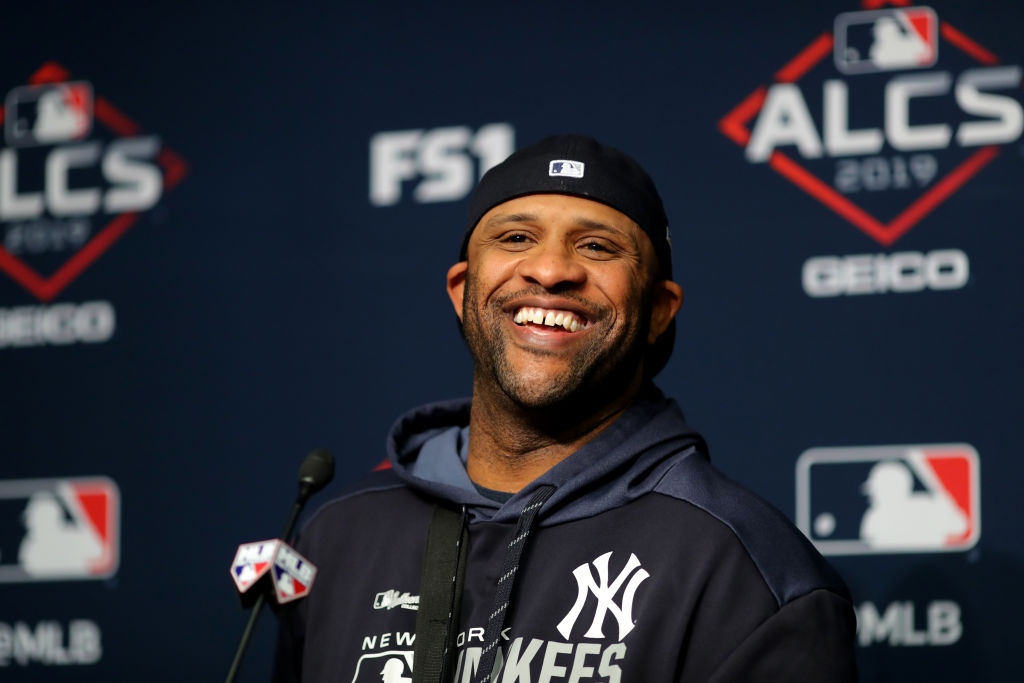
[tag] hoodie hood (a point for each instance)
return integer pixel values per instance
(427, 450)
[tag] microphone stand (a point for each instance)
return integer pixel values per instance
(316, 471)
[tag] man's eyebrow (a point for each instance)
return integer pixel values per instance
(581, 221)
(503, 218)
(591, 224)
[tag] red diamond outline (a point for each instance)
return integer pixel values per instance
(174, 167)
(734, 126)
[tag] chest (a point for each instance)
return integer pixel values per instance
(609, 598)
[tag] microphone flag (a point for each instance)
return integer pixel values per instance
(271, 562)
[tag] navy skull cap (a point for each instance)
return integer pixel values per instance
(579, 166)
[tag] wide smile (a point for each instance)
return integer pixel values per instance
(559, 319)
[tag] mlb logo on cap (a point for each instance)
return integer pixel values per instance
(889, 499)
(886, 40)
(566, 168)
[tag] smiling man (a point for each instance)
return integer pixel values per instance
(559, 299)
(563, 524)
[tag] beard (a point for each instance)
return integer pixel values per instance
(599, 371)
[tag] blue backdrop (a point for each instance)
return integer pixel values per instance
(225, 230)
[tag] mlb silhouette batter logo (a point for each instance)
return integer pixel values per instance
(58, 529)
(291, 573)
(886, 40)
(889, 499)
(252, 562)
(49, 113)
(566, 168)
(391, 666)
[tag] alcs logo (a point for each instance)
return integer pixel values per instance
(889, 499)
(884, 170)
(75, 175)
(59, 529)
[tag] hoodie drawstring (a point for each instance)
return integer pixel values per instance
(513, 553)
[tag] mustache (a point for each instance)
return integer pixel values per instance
(591, 310)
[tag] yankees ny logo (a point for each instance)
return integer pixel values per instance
(605, 594)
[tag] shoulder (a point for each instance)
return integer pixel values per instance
(788, 563)
(378, 499)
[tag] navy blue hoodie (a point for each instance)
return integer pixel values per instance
(645, 564)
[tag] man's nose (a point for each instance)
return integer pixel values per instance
(552, 264)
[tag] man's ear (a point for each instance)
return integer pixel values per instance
(456, 284)
(666, 300)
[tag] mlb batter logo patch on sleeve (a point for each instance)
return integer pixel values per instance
(59, 529)
(889, 499)
(566, 168)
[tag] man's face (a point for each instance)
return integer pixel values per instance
(558, 294)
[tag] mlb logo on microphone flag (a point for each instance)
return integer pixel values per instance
(890, 499)
(59, 529)
(251, 563)
(291, 574)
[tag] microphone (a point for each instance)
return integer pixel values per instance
(291, 574)
(315, 472)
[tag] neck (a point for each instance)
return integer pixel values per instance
(511, 445)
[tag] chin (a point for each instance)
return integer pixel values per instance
(537, 398)
(567, 391)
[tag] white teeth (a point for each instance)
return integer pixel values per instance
(553, 318)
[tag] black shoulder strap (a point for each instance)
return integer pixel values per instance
(437, 620)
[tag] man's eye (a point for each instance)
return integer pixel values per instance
(596, 247)
(514, 238)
